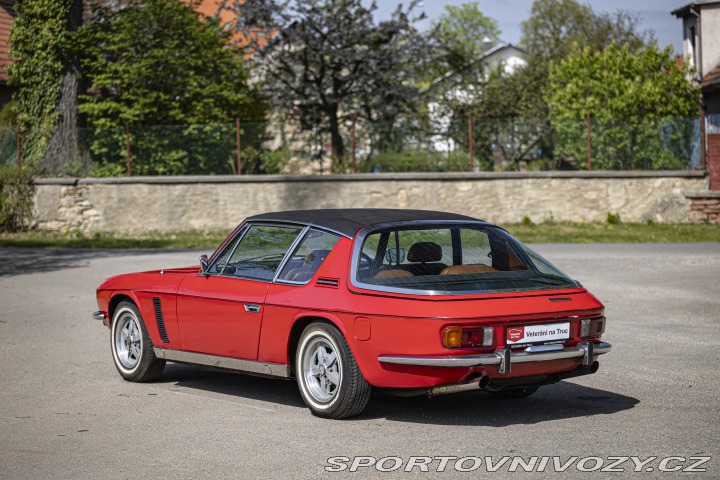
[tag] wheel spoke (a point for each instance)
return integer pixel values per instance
(330, 359)
(323, 382)
(333, 378)
(314, 371)
(320, 354)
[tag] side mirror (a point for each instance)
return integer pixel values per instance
(203, 264)
(395, 255)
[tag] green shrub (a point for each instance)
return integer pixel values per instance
(16, 199)
(613, 218)
(417, 161)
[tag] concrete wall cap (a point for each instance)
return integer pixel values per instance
(379, 177)
(702, 194)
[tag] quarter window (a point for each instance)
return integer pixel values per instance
(308, 256)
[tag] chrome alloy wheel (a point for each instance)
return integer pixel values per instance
(321, 369)
(128, 340)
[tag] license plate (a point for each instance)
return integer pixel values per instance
(534, 334)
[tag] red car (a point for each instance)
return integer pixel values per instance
(346, 300)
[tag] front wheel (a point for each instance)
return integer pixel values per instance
(330, 382)
(131, 346)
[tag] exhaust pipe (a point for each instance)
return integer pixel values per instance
(479, 384)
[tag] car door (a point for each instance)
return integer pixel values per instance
(220, 312)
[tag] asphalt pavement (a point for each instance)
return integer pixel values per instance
(66, 413)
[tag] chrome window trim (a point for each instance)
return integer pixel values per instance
(300, 224)
(241, 234)
(357, 249)
(290, 251)
(213, 261)
(296, 246)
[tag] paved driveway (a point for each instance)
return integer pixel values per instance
(66, 413)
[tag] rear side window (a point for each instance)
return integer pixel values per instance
(308, 256)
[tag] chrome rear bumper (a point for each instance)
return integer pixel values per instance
(503, 358)
(98, 316)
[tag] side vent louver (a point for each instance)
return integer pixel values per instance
(159, 320)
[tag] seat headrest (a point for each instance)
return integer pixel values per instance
(425, 252)
(316, 257)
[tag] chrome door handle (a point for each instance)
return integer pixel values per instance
(252, 308)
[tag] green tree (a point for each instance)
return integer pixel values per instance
(159, 62)
(461, 32)
(555, 25)
(46, 79)
(639, 102)
(548, 34)
(330, 62)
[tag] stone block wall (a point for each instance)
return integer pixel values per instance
(145, 204)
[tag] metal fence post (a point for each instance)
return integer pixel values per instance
(19, 143)
(470, 142)
(589, 144)
(354, 157)
(237, 146)
(128, 160)
(703, 137)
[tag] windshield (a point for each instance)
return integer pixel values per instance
(454, 259)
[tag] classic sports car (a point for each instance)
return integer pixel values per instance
(415, 301)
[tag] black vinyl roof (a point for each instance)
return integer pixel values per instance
(348, 221)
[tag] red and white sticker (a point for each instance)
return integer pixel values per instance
(538, 333)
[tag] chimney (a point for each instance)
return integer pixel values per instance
(487, 44)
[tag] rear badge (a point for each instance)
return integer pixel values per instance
(560, 299)
(516, 334)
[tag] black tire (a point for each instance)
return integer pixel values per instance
(513, 392)
(330, 382)
(131, 347)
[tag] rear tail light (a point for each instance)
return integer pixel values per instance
(592, 327)
(468, 337)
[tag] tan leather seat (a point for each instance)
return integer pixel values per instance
(514, 263)
(467, 269)
(393, 274)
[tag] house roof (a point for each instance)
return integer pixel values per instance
(478, 60)
(224, 10)
(7, 16)
(697, 4)
(711, 81)
(348, 221)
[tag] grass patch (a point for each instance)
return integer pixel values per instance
(567, 232)
(526, 232)
(190, 239)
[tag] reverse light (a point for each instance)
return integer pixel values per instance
(592, 327)
(468, 337)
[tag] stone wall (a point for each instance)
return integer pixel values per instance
(142, 204)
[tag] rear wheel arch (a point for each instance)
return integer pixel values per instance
(301, 322)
